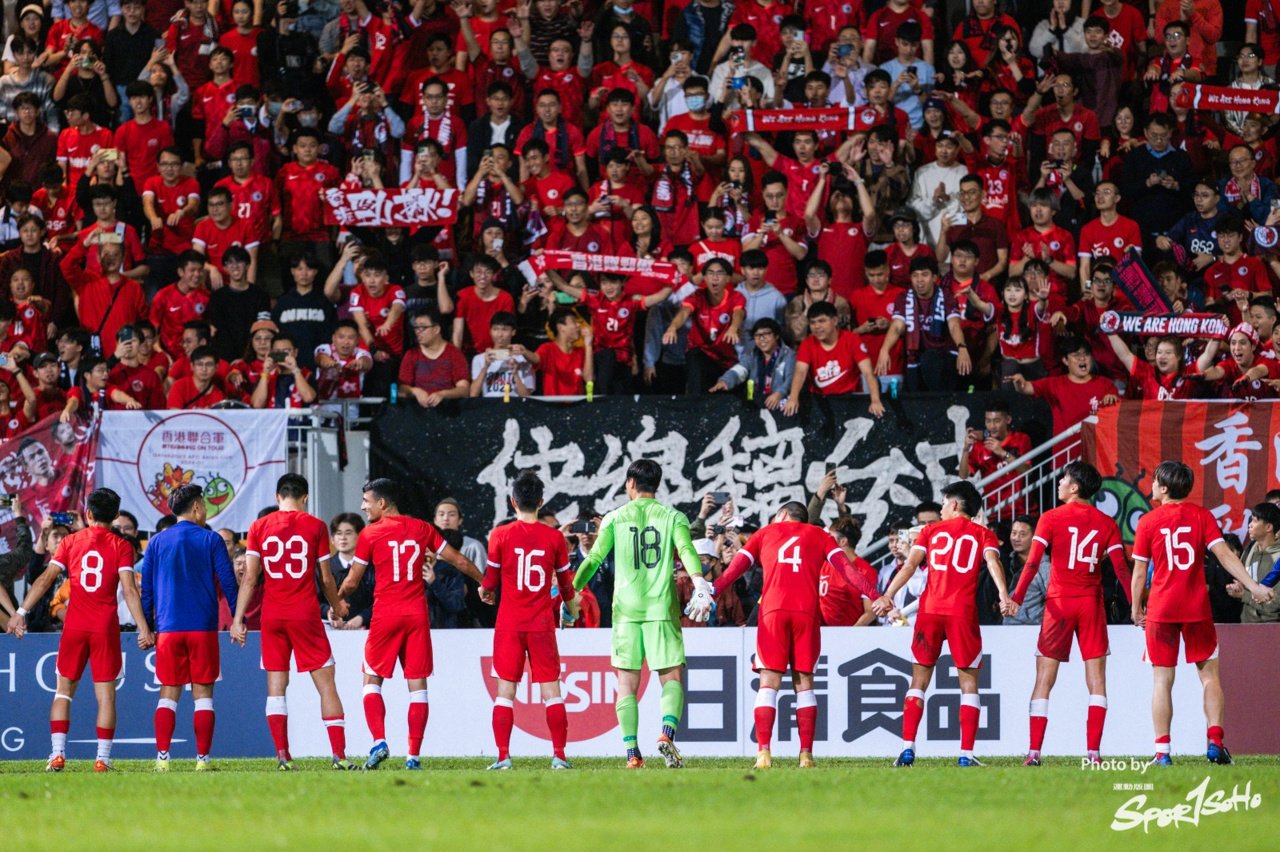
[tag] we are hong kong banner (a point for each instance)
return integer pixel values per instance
(390, 208)
(1196, 96)
(1212, 326)
(1233, 448)
(50, 466)
(848, 119)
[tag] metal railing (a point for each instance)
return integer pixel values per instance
(1008, 490)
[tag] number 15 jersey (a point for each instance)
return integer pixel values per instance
(290, 545)
(395, 546)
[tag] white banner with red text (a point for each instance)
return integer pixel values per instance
(236, 456)
(863, 676)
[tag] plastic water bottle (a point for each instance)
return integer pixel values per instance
(751, 389)
(395, 393)
(591, 391)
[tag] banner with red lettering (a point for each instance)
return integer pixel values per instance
(50, 467)
(597, 263)
(1195, 96)
(1233, 449)
(782, 120)
(1211, 326)
(390, 208)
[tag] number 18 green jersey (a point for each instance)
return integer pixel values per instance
(645, 537)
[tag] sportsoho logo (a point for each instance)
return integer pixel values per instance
(1200, 802)
(589, 686)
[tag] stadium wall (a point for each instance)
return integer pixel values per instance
(861, 682)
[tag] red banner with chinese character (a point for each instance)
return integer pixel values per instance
(50, 467)
(847, 119)
(390, 208)
(1195, 96)
(1233, 449)
(597, 263)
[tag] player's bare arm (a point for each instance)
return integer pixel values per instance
(883, 605)
(252, 570)
(18, 623)
(1261, 594)
(996, 570)
(133, 600)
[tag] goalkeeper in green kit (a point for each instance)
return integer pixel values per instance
(645, 537)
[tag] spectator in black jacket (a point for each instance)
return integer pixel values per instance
(496, 127)
(1157, 181)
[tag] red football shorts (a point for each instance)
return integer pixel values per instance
(403, 639)
(788, 640)
(100, 650)
(305, 641)
(187, 656)
(960, 632)
(510, 647)
(1082, 617)
(1199, 637)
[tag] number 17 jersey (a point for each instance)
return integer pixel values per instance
(290, 546)
(395, 546)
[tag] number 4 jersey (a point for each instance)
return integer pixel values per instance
(395, 547)
(523, 559)
(954, 553)
(290, 545)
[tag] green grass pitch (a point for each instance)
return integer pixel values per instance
(712, 804)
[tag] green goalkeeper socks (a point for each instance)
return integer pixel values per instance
(672, 707)
(629, 719)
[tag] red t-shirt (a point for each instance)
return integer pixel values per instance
(476, 314)
(1174, 538)
(594, 240)
(867, 304)
(169, 200)
(1083, 123)
(710, 322)
(171, 309)
(782, 266)
(833, 371)
(139, 382)
(395, 547)
(62, 216)
(76, 146)
(1128, 33)
(900, 262)
(1146, 383)
(184, 394)
(256, 200)
(142, 144)
(300, 187)
(955, 554)
(613, 323)
(523, 559)
(214, 241)
(843, 245)
(1099, 240)
(376, 310)
(841, 603)
(440, 373)
(573, 139)
(244, 71)
(1070, 402)
(561, 371)
(1078, 538)
(210, 104)
(883, 27)
(791, 555)
(93, 559)
(291, 546)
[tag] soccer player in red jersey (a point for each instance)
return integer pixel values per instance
(396, 546)
(791, 551)
(842, 605)
(523, 556)
(292, 548)
(953, 549)
(97, 562)
(1078, 538)
(1172, 601)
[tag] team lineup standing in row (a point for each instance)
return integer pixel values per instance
(185, 565)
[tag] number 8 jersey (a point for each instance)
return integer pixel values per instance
(93, 559)
(955, 556)
(290, 545)
(395, 547)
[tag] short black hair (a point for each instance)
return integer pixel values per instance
(104, 505)
(383, 489)
(646, 474)
(821, 309)
(292, 486)
(527, 490)
(1268, 513)
(966, 494)
(183, 500)
(1176, 477)
(795, 510)
(353, 518)
(1086, 478)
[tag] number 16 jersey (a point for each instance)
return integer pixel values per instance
(525, 558)
(290, 546)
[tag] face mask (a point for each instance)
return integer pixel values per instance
(696, 102)
(624, 12)
(309, 120)
(274, 107)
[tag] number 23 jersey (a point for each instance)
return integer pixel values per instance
(291, 546)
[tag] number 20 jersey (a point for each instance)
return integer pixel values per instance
(955, 554)
(290, 546)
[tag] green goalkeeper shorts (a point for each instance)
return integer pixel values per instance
(659, 642)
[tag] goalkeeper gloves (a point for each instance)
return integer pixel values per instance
(702, 603)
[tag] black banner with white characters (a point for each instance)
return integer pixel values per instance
(473, 449)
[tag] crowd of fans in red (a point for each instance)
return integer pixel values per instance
(164, 166)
